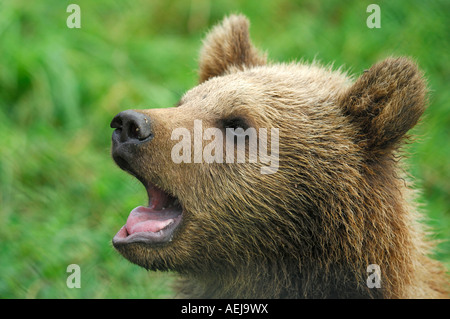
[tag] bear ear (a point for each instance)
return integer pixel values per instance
(385, 102)
(228, 44)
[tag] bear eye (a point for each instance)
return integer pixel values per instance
(235, 123)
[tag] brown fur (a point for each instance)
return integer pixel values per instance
(336, 204)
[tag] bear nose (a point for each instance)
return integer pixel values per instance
(131, 125)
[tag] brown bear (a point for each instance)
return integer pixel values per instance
(330, 217)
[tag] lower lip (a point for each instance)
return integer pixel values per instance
(163, 236)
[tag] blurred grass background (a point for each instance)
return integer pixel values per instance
(62, 198)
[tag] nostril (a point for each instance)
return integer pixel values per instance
(116, 122)
(134, 131)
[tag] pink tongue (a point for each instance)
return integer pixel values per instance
(145, 219)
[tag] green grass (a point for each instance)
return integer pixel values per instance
(61, 196)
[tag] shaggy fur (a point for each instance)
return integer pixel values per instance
(336, 204)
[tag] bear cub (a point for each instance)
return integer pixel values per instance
(275, 180)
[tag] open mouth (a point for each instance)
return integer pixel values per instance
(154, 224)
